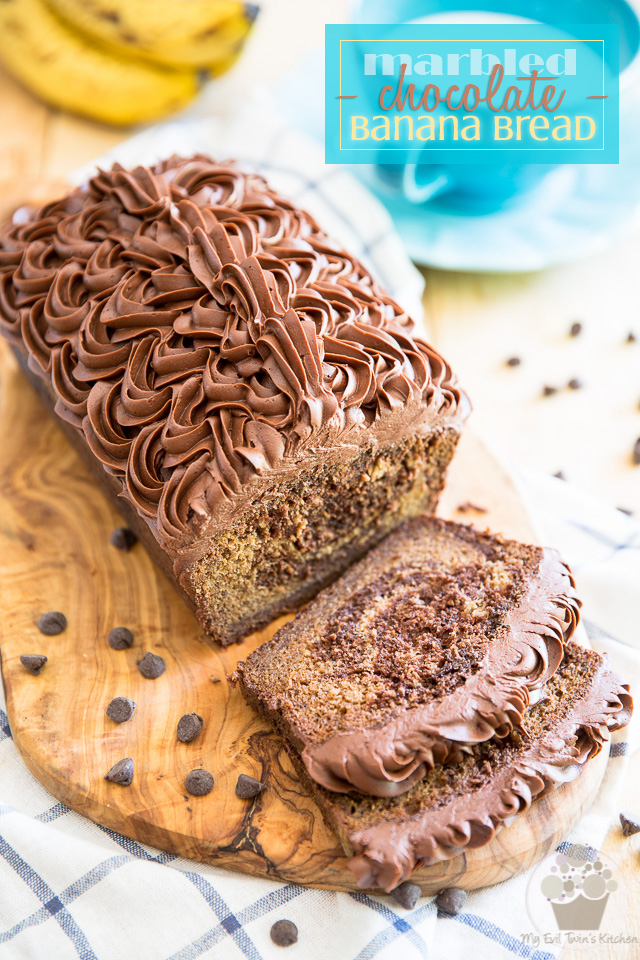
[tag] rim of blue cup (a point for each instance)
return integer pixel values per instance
(623, 13)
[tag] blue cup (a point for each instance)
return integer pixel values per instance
(484, 188)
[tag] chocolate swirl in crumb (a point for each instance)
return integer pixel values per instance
(483, 690)
(201, 330)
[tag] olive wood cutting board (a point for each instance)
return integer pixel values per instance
(55, 555)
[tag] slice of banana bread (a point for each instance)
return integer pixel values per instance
(441, 637)
(459, 807)
(261, 408)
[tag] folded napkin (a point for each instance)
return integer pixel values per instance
(70, 888)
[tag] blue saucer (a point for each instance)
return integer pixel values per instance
(576, 212)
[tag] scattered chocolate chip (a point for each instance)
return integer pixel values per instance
(120, 709)
(121, 772)
(120, 638)
(33, 662)
(635, 456)
(451, 901)
(248, 787)
(407, 894)
(559, 475)
(467, 506)
(151, 666)
(52, 623)
(575, 329)
(189, 726)
(631, 337)
(630, 824)
(123, 539)
(626, 511)
(513, 362)
(215, 679)
(548, 390)
(575, 384)
(284, 933)
(199, 783)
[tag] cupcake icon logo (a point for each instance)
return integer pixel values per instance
(571, 900)
(578, 889)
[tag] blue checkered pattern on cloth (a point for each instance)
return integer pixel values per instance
(70, 889)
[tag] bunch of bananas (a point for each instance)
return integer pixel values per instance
(120, 61)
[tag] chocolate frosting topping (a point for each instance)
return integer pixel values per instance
(203, 332)
(387, 852)
(386, 760)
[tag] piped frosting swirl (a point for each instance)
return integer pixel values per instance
(202, 331)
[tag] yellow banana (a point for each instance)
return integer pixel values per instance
(64, 69)
(177, 33)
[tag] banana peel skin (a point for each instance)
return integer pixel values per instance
(59, 66)
(182, 34)
(155, 70)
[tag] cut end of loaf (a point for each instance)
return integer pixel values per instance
(302, 533)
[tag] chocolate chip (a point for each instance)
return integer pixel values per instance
(467, 506)
(120, 709)
(189, 727)
(559, 475)
(631, 337)
(33, 662)
(123, 539)
(120, 638)
(199, 783)
(284, 933)
(513, 362)
(151, 666)
(575, 384)
(121, 772)
(630, 824)
(248, 787)
(575, 329)
(215, 679)
(451, 901)
(625, 510)
(635, 456)
(52, 623)
(548, 390)
(407, 894)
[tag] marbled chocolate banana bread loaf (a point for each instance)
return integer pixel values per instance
(263, 411)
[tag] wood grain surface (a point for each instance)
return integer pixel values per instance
(55, 555)
(477, 321)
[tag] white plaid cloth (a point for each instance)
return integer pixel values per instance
(70, 889)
